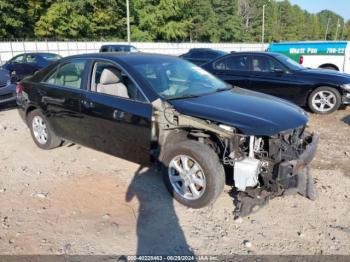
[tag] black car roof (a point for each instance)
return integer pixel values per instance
(37, 53)
(122, 56)
(255, 53)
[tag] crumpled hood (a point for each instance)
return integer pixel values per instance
(251, 112)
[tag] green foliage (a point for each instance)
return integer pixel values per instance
(168, 20)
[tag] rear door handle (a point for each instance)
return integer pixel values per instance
(118, 114)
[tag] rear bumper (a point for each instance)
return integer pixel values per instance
(293, 175)
(8, 94)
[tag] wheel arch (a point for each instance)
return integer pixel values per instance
(329, 65)
(182, 134)
(28, 110)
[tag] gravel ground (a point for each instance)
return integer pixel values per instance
(74, 200)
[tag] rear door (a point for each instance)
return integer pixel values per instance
(61, 94)
(116, 114)
(234, 69)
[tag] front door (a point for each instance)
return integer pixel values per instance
(117, 116)
(271, 77)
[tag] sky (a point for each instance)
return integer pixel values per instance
(341, 7)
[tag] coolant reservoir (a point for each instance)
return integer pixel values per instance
(246, 173)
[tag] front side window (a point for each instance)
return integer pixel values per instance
(108, 79)
(176, 78)
(265, 64)
(69, 75)
(234, 63)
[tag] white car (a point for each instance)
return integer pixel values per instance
(334, 55)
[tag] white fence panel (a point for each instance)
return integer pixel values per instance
(10, 49)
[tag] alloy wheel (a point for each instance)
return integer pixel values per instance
(187, 177)
(324, 101)
(39, 130)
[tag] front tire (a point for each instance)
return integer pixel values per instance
(41, 131)
(193, 174)
(324, 100)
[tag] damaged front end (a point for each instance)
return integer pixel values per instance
(265, 167)
(259, 167)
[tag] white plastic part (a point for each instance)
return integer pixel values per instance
(246, 173)
(251, 146)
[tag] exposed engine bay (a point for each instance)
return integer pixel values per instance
(258, 167)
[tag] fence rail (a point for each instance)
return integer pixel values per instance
(12, 48)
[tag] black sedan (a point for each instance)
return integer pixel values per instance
(197, 128)
(27, 64)
(200, 56)
(323, 91)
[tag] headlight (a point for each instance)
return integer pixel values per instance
(346, 87)
(8, 82)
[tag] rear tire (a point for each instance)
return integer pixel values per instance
(41, 131)
(202, 176)
(324, 100)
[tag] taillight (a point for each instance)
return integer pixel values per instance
(301, 60)
(19, 90)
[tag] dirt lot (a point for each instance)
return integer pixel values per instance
(75, 200)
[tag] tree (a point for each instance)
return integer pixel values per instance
(78, 19)
(13, 19)
(160, 19)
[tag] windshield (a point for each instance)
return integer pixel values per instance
(179, 79)
(290, 62)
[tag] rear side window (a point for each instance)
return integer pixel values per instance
(235, 63)
(104, 49)
(68, 75)
(17, 59)
(30, 59)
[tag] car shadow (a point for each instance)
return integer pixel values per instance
(346, 119)
(158, 229)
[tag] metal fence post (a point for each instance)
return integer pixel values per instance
(24, 47)
(11, 48)
(47, 45)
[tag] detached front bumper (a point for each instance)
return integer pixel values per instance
(293, 175)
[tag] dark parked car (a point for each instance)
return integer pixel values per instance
(323, 91)
(7, 89)
(200, 56)
(197, 128)
(27, 64)
(118, 48)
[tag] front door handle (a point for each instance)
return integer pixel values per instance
(87, 104)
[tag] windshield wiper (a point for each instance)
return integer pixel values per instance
(183, 97)
(224, 89)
